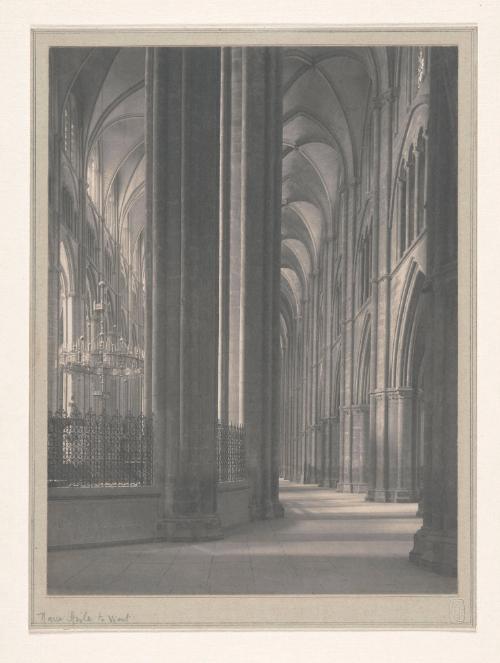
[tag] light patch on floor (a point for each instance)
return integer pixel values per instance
(328, 543)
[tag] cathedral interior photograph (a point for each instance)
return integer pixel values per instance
(252, 320)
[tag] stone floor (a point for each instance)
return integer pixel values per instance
(328, 543)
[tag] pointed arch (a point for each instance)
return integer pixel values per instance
(415, 127)
(363, 383)
(336, 391)
(406, 327)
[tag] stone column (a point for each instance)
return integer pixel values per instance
(289, 387)
(260, 269)
(399, 486)
(379, 416)
(360, 419)
(303, 393)
(184, 147)
(416, 191)
(148, 239)
(224, 234)
(334, 428)
(425, 183)
(325, 360)
(435, 545)
(285, 409)
(53, 373)
(349, 234)
(408, 203)
(298, 400)
(374, 301)
(315, 424)
(234, 414)
(275, 146)
(309, 309)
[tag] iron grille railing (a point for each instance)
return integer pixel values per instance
(231, 456)
(99, 450)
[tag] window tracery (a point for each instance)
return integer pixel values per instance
(71, 130)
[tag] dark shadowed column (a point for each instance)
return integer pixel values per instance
(148, 238)
(346, 478)
(185, 193)
(260, 264)
(235, 240)
(436, 542)
(53, 391)
(378, 479)
(224, 235)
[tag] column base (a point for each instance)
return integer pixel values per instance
(329, 483)
(310, 476)
(278, 509)
(435, 551)
(352, 487)
(401, 495)
(267, 511)
(191, 528)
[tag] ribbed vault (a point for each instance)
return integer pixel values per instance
(327, 92)
(109, 86)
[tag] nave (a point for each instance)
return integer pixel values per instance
(253, 275)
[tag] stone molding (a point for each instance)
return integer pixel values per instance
(393, 394)
(360, 408)
(386, 97)
(397, 495)
(327, 420)
(191, 528)
(435, 551)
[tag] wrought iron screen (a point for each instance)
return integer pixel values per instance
(99, 450)
(231, 457)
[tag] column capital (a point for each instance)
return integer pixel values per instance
(400, 393)
(330, 419)
(360, 407)
(393, 393)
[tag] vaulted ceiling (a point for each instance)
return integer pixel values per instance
(109, 86)
(326, 98)
(326, 94)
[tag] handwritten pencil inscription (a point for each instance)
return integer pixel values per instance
(77, 618)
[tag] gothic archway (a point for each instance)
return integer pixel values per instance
(409, 385)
